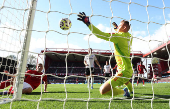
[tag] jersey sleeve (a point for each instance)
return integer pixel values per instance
(114, 37)
(45, 78)
(28, 72)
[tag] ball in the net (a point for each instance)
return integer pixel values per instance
(65, 24)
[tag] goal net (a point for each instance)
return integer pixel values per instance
(29, 27)
(15, 32)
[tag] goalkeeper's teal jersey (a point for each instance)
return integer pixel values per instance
(122, 47)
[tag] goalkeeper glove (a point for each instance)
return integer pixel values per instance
(82, 17)
(115, 25)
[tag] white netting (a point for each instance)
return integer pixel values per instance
(13, 24)
(47, 34)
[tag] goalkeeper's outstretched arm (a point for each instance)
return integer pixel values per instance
(122, 30)
(106, 36)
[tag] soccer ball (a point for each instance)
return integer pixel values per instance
(65, 24)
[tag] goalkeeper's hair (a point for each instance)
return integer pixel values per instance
(127, 24)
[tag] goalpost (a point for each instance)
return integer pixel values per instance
(25, 50)
(16, 27)
(20, 50)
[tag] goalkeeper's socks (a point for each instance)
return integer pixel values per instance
(5, 84)
(143, 82)
(129, 86)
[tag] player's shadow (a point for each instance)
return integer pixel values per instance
(155, 95)
(39, 93)
(34, 93)
(159, 96)
(70, 92)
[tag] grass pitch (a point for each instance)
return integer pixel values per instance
(78, 96)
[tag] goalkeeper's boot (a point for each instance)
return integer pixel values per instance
(91, 87)
(126, 93)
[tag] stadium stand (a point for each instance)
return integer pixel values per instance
(7, 64)
(56, 65)
(160, 69)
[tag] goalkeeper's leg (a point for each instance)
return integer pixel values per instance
(129, 86)
(106, 88)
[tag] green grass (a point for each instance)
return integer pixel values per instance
(142, 98)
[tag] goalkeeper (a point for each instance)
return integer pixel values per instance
(122, 42)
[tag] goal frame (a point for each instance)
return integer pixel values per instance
(18, 86)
